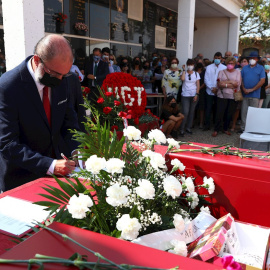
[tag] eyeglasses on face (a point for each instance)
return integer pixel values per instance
(53, 73)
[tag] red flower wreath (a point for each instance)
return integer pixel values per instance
(129, 98)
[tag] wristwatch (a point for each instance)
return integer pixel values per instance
(95, 77)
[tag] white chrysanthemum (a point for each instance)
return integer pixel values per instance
(148, 153)
(178, 222)
(177, 163)
(145, 189)
(172, 186)
(173, 143)
(205, 209)
(195, 199)
(117, 194)
(78, 206)
(157, 161)
(209, 184)
(180, 247)
(157, 135)
(132, 133)
(94, 164)
(115, 165)
(129, 227)
(189, 184)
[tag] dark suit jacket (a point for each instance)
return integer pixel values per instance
(26, 139)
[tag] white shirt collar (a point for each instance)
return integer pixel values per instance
(39, 85)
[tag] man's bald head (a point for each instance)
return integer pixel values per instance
(52, 46)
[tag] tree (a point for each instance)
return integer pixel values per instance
(255, 18)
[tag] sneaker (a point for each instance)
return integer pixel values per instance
(188, 131)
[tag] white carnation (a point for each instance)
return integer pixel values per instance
(145, 189)
(177, 163)
(129, 227)
(180, 247)
(209, 184)
(148, 153)
(132, 133)
(173, 143)
(189, 184)
(194, 199)
(205, 209)
(94, 164)
(172, 186)
(157, 161)
(78, 206)
(117, 194)
(115, 165)
(178, 222)
(157, 135)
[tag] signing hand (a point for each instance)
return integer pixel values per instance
(64, 167)
(91, 76)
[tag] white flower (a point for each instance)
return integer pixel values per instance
(194, 199)
(205, 209)
(177, 163)
(148, 153)
(94, 164)
(173, 143)
(157, 135)
(178, 222)
(129, 227)
(132, 133)
(115, 165)
(78, 206)
(209, 184)
(117, 194)
(172, 186)
(189, 184)
(180, 247)
(145, 189)
(157, 161)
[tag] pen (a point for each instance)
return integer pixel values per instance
(63, 156)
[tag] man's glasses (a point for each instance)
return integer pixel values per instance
(53, 73)
(189, 76)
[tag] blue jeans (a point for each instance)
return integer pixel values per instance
(188, 108)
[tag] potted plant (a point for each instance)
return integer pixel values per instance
(125, 28)
(60, 21)
(113, 29)
(80, 28)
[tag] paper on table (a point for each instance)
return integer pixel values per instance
(17, 215)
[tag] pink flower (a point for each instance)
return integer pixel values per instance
(229, 263)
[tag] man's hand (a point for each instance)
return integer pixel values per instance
(64, 167)
(91, 76)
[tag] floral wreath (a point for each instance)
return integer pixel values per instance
(128, 90)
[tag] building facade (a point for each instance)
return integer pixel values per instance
(129, 27)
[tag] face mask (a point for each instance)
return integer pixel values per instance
(137, 62)
(96, 58)
(268, 59)
(105, 57)
(49, 81)
(217, 61)
(159, 64)
(252, 62)
(154, 57)
(230, 66)
(145, 67)
(173, 105)
(124, 65)
(174, 65)
(190, 67)
(267, 67)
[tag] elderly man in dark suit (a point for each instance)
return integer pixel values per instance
(95, 72)
(36, 115)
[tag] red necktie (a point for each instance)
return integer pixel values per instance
(46, 103)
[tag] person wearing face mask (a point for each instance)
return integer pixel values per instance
(210, 80)
(190, 95)
(171, 116)
(113, 62)
(137, 70)
(253, 78)
(158, 73)
(229, 80)
(266, 102)
(95, 71)
(36, 115)
(106, 58)
(171, 81)
(147, 77)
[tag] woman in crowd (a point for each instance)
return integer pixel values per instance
(243, 62)
(147, 77)
(124, 67)
(266, 102)
(113, 62)
(171, 80)
(137, 68)
(189, 96)
(125, 63)
(229, 80)
(158, 74)
(172, 117)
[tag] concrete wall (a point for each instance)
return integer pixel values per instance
(211, 36)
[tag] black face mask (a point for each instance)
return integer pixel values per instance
(146, 67)
(50, 81)
(173, 105)
(137, 62)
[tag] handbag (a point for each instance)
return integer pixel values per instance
(236, 94)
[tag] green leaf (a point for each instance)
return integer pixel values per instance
(66, 187)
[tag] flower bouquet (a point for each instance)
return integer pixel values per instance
(60, 17)
(81, 27)
(113, 26)
(125, 27)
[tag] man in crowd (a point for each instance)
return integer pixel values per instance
(36, 115)
(210, 81)
(106, 58)
(253, 77)
(95, 71)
